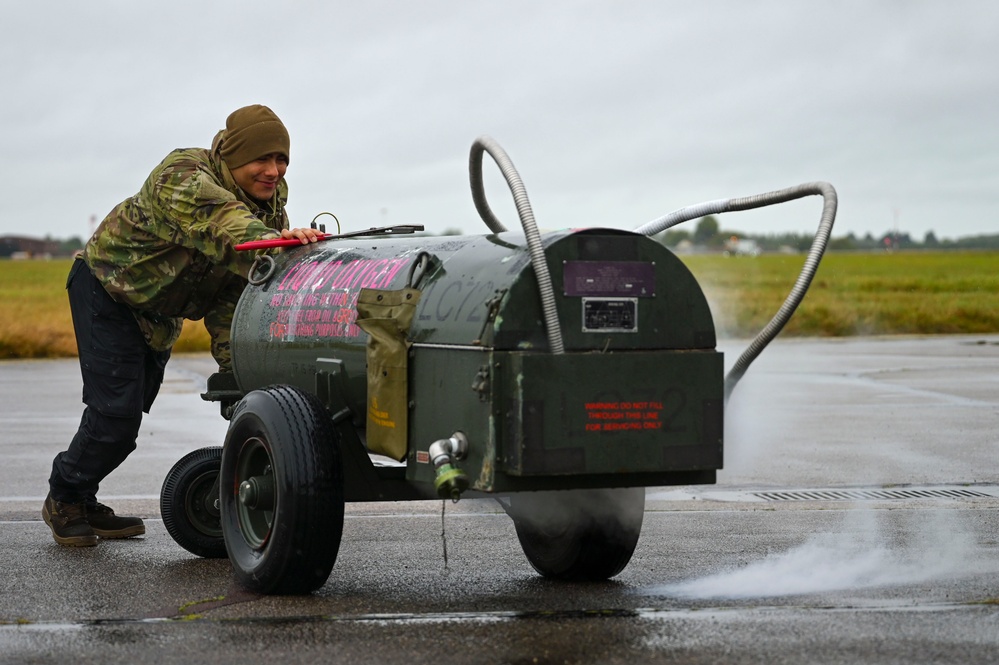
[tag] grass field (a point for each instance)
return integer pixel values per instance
(856, 294)
(852, 294)
(34, 313)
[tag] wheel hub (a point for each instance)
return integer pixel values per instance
(257, 492)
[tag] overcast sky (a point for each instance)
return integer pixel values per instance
(614, 112)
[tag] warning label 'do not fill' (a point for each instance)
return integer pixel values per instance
(623, 416)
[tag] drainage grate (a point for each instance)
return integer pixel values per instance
(871, 495)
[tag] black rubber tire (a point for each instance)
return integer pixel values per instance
(188, 507)
(282, 438)
(579, 534)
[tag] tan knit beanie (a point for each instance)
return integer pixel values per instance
(252, 132)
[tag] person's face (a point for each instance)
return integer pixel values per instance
(259, 178)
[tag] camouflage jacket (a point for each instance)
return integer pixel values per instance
(168, 252)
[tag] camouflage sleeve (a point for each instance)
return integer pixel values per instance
(218, 321)
(209, 218)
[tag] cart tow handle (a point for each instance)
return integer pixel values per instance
(400, 229)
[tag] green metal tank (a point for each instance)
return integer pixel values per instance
(636, 399)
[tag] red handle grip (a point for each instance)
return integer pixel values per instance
(275, 242)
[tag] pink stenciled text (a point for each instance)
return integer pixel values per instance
(319, 299)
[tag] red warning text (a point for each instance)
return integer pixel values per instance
(623, 416)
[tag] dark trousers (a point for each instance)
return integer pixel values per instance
(121, 376)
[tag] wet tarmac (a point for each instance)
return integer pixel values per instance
(856, 521)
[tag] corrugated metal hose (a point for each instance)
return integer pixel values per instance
(550, 312)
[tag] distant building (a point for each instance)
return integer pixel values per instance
(736, 246)
(15, 247)
(684, 247)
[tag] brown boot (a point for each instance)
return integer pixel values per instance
(68, 522)
(108, 525)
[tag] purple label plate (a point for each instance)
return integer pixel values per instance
(609, 278)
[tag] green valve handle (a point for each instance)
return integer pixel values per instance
(450, 482)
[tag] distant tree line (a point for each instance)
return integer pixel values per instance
(34, 247)
(708, 234)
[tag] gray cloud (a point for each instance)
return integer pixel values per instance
(614, 112)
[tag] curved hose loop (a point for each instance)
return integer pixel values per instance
(484, 143)
(331, 215)
(818, 248)
(804, 280)
(477, 183)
